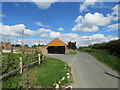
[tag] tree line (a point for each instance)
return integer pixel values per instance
(113, 47)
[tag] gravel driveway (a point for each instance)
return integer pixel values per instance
(88, 72)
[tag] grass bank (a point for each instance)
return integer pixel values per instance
(40, 76)
(104, 57)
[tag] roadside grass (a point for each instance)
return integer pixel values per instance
(50, 71)
(104, 57)
(11, 57)
(72, 52)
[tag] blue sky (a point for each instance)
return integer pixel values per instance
(69, 21)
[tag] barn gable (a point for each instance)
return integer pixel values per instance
(56, 46)
(56, 42)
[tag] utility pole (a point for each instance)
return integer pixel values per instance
(88, 41)
(23, 42)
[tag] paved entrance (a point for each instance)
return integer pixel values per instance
(88, 72)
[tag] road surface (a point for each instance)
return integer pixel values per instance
(88, 72)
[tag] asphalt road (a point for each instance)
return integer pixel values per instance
(88, 72)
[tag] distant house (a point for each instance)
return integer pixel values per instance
(6, 45)
(56, 46)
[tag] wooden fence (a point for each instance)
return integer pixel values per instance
(40, 58)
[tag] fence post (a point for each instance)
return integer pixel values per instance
(38, 58)
(42, 57)
(20, 65)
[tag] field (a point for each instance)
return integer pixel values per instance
(40, 76)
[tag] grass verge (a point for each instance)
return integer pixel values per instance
(104, 57)
(40, 76)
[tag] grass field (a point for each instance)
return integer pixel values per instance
(72, 52)
(103, 56)
(44, 75)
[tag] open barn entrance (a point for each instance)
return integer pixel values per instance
(56, 49)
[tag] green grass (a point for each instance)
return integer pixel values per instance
(72, 53)
(104, 57)
(43, 75)
(10, 57)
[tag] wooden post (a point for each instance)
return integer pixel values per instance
(42, 57)
(20, 65)
(38, 58)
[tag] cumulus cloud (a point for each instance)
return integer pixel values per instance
(54, 34)
(29, 32)
(61, 29)
(14, 30)
(40, 24)
(96, 19)
(113, 27)
(82, 28)
(43, 30)
(87, 3)
(95, 38)
(44, 4)
(90, 22)
(79, 19)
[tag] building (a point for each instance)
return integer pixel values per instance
(6, 45)
(56, 46)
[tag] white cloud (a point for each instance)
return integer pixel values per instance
(48, 34)
(61, 29)
(14, 30)
(54, 34)
(44, 35)
(90, 22)
(114, 27)
(29, 32)
(96, 19)
(86, 4)
(70, 35)
(95, 38)
(82, 28)
(2, 15)
(42, 30)
(31, 41)
(116, 10)
(40, 24)
(79, 19)
(45, 4)
(115, 13)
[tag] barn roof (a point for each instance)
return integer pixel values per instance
(56, 42)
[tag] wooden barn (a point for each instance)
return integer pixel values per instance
(56, 46)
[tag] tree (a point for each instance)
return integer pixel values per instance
(34, 46)
(39, 45)
(26, 45)
(72, 45)
(17, 45)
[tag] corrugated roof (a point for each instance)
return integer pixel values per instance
(56, 42)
